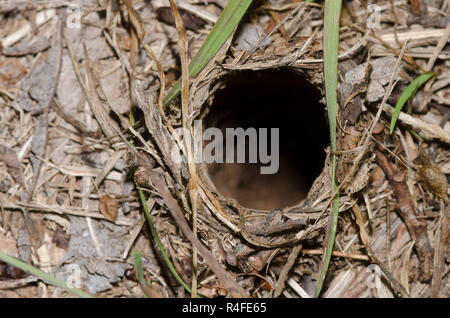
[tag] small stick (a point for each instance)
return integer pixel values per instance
(365, 238)
(286, 268)
(439, 255)
(442, 42)
(405, 208)
(319, 251)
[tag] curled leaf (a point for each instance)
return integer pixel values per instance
(108, 207)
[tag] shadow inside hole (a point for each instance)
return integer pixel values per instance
(268, 99)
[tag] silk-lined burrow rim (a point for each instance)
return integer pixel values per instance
(263, 108)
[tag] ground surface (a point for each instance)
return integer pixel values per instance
(68, 199)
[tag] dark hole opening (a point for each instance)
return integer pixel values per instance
(281, 99)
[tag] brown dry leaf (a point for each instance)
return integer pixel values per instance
(135, 19)
(9, 156)
(108, 207)
(11, 71)
(61, 239)
(377, 177)
(190, 20)
(353, 110)
(430, 175)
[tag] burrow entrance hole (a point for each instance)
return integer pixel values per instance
(272, 98)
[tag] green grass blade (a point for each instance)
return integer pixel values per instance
(139, 270)
(408, 93)
(331, 50)
(225, 25)
(158, 241)
(137, 257)
(138, 266)
(332, 224)
(42, 275)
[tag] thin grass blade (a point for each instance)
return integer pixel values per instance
(224, 27)
(331, 50)
(145, 285)
(407, 94)
(42, 275)
(138, 266)
(158, 241)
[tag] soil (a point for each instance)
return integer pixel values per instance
(74, 177)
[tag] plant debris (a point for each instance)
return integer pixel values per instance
(85, 134)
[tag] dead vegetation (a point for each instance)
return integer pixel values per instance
(71, 77)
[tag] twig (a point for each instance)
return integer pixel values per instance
(298, 289)
(319, 251)
(296, 62)
(18, 283)
(439, 253)
(137, 229)
(413, 35)
(286, 268)
(108, 166)
(273, 229)
(198, 11)
(365, 239)
(39, 207)
(442, 42)
(81, 127)
(417, 229)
